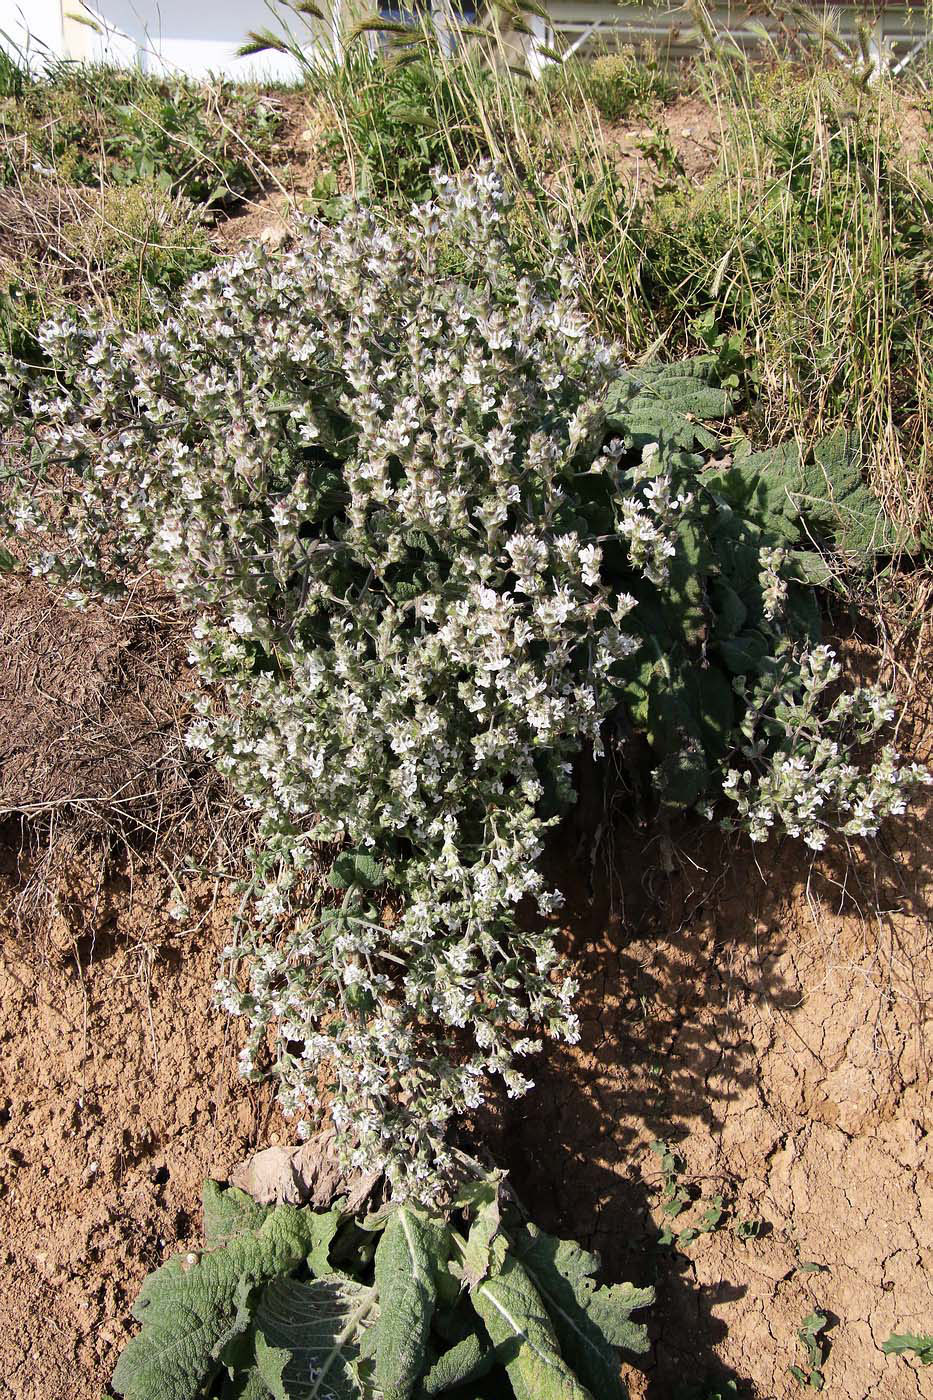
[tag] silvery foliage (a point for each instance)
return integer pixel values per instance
(773, 581)
(355, 463)
(802, 746)
(355, 468)
(648, 518)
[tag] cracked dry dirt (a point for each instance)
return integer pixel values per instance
(760, 1017)
(757, 1014)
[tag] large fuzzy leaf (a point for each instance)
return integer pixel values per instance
(591, 1322)
(308, 1337)
(409, 1253)
(470, 1359)
(227, 1213)
(484, 1243)
(797, 495)
(323, 1226)
(246, 1384)
(195, 1304)
(665, 403)
(356, 868)
(517, 1321)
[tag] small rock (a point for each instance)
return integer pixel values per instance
(272, 237)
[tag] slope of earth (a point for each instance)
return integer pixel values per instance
(119, 1094)
(769, 1018)
(118, 1082)
(758, 1015)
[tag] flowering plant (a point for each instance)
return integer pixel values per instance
(425, 563)
(800, 745)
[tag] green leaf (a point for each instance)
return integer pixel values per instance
(473, 1195)
(811, 1327)
(730, 611)
(323, 1226)
(676, 1200)
(228, 1212)
(196, 1303)
(814, 1380)
(664, 403)
(409, 1253)
(483, 1242)
(796, 496)
(671, 1161)
(517, 1320)
(900, 1342)
(356, 868)
(467, 1361)
(713, 1216)
(591, 1321)
(744, 653)
(246, 1384)
(270, 1366)
(811, 568)
(809, 1334)
(308, 1337)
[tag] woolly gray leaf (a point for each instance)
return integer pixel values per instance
(517, 1320)
(196, 1303)
(308, 1337)
(591, 1321)
(407, 1258)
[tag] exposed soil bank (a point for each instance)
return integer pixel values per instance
(758, 1014)
(761, 1018)
(119, 1094)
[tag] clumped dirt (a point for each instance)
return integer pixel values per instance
(752, 1009)
(270, 217)
(758, 1014)
(692, 127)
(265, 219)
(695, 132)
(119, 1094)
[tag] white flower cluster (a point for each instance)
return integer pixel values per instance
(648, 521)
(365, 465)
(802, 779)
(356, 468)
(772, 582)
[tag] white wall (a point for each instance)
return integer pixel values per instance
(34, 27)
(196, 37)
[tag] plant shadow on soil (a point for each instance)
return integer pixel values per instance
(671, 940)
